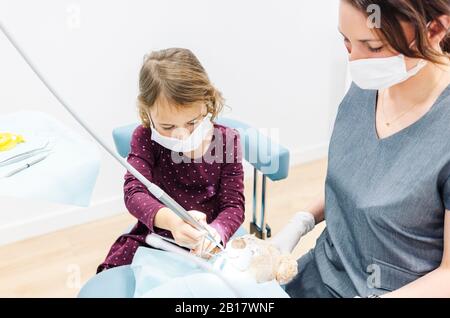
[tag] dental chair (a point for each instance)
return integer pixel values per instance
(268, 158)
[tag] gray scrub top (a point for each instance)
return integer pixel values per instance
(385, 199)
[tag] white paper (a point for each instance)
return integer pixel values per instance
(66, 176)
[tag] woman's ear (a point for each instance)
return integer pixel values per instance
(439, 30)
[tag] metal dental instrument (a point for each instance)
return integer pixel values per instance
(24, 155)
(152, 188)
(28, 164)
(165, 238)
(202, 252)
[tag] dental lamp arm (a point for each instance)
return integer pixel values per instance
(154, 189)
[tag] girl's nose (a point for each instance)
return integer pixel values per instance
(181, 133)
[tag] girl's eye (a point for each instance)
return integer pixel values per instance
(376, 50)
(167, 128)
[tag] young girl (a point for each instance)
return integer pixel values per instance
(178, 148)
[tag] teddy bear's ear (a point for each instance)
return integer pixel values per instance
(287, 269)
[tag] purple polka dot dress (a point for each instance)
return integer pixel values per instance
(213, 185)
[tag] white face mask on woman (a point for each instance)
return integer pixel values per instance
(381, 73)
(193, 142)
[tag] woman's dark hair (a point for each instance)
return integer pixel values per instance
(418, 13)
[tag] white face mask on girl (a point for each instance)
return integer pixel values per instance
(193, 142)
(381, 73)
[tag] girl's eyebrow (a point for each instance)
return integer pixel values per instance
(195, 118)
(162, 124)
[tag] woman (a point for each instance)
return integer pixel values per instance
(387, 191)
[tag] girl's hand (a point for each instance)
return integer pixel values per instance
(203, 251)
(185, 234)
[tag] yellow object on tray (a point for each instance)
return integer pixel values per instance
(9, 141)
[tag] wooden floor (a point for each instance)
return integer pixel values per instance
(57, 264)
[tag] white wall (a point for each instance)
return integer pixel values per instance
(280, 64)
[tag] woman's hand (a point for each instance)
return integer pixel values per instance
(299, 225)
(289, 236)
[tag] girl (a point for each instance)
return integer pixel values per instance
(178, 147)
(387, 191)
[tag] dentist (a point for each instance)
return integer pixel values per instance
(387, 191)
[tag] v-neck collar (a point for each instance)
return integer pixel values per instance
(373, 100)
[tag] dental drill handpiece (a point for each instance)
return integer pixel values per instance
(153, 188)
(173, 205)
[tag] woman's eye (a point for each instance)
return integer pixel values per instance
(376, 50)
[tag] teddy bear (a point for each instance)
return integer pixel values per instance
(260, 260)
